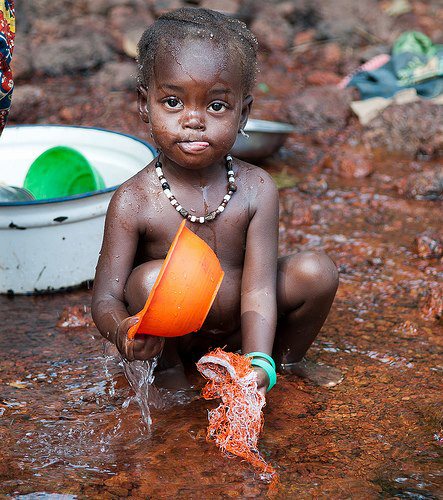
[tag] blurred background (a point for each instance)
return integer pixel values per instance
(74, 64)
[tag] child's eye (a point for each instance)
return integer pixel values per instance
(172, 102)
(217, 106)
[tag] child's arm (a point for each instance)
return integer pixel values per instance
(259, 280)
(113, 269)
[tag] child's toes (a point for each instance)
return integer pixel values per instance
(322, 375)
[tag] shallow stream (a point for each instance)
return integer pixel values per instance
(69, 423)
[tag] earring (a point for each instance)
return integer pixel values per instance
(243, 133)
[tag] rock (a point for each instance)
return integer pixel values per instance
(118, 76)
(319, 77)
(26, 17)
(47, 10)
(78, 316)
(68, 114)
(313, 186)
(349, 163)
(429, 246)
(368, 53)
(21, 62)
(129, 25)
(225, 6)
(121, 17)
(130, 39)
(332, 54)
(303, 37)
(273, 32)
(47, 30)
(431, 307)
(71, 55)
(423, 185)
(296, 211)
(287, 8)
(102, 7)
(353, 22)
(27, 101)
(414, 128)
(319, 108)
(301, 14)
(160, 7)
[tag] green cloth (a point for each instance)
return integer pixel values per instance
(415, 58)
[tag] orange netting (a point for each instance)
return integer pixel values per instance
(236, 423)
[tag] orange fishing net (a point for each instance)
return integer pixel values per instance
(236, 423)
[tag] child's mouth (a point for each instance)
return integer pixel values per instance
(193, 146)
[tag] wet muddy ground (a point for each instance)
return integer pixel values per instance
(67, 423)
(64, 429)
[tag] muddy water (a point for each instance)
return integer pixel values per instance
(68, 424)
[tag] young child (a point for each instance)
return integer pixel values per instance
(196, 71)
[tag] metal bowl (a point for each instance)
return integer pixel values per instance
(265, 138)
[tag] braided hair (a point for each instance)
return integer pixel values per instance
(228, 33)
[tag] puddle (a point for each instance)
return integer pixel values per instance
(71, 425)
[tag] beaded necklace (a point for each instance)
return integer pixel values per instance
(232, 188)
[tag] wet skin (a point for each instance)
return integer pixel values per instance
(195, 106)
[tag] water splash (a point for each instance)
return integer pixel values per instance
(140, 375)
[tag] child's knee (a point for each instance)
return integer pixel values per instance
(310, 272)
(140, 283)
(319, 271)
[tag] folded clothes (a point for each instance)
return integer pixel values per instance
(7, 33)
(415, 63)
(367, 109)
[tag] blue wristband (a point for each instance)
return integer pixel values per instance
(261, 355)
(270, 371)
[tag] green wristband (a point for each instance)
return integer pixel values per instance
(261, 355)
(270, 372)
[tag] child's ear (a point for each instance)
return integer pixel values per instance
(142, 103)
(246, 109)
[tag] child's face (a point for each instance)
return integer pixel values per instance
(195, 103)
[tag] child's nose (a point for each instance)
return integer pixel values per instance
(193, 119)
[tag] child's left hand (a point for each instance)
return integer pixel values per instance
(262, 380)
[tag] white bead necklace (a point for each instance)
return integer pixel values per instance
(232, 188)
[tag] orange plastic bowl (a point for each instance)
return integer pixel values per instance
(184, 290)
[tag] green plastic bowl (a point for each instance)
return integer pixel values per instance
(61, 172)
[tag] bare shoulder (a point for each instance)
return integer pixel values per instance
(133, 191)
(256, 180)
(131, 200)
(257, 175)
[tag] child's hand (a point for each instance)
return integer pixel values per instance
(262, 380)
(141, 347)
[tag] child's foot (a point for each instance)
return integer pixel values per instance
(323, 375)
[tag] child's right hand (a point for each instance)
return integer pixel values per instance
(142, 347)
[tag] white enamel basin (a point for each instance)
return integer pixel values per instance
(52, 244)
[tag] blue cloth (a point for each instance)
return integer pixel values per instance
(383, 82)
(415, 63)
